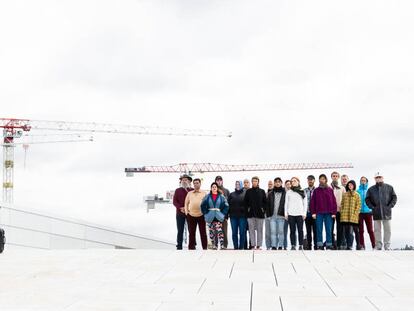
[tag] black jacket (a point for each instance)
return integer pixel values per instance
(381, 199)
(255, 202)
(270, 207)
(236, 202)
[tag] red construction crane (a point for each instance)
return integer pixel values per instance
(14, 129)
(190, 168)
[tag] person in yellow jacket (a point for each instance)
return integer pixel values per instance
(350, 208)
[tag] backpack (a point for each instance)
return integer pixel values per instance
(2, 240)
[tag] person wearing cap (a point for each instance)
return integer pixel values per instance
(275, 211)
(323, 209)
(195, 216)
(365, 215)
(255, 202)
(309, 221)
(214, 207)
(238, 216)
(225, 192)
(381, 198)
(295, 212)
(338, 190)
(179, 202)
(350, 207)
(268, 240)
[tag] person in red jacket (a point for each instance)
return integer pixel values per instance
(179, 202)
(323, 209)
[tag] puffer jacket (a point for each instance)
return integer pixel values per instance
(362, 191)
(381, 198)
(350, 207)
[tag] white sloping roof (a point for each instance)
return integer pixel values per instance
(159, 280)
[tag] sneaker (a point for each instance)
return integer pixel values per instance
(274, 248)
(300, 247)
(280, 248)
(321, 248)
(293, 248)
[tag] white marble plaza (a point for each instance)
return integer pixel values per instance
(160, 280)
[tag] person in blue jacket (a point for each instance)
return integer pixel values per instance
(215, 208)
(365, 215)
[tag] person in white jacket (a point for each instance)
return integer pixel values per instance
(295, 212)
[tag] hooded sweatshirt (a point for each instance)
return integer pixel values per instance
(362, 191)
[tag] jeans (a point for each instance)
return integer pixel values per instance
(277, 225)
(192, 228)
(268, 234)
(340, 234)
(322, 219)
(349, 230)
(310, 231)
(378, 234)
(296, 222)
(238, 228)
(256, 231)
(180, 220)
(285, 233)
(367, 218)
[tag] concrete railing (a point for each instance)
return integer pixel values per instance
(31, 229)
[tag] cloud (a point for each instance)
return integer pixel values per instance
(295, 81)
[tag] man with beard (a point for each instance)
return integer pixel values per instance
(179, 202)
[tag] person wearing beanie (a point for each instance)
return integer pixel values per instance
(255, 201)
(275, 211)
(381, 198)
(323, 209)
(339, 190)
(295, 212)
(365, 215)
(238, 216)
(350, 207)
(309, 221)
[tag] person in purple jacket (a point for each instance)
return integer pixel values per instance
(323, 209)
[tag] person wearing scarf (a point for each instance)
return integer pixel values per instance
(238, 216)
(295, 212)
(275, 212)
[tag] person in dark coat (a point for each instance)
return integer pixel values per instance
(381, 198)
(255, 201)
(179, 202)
(238, 216)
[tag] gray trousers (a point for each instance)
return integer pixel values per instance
(256, 231)
(378, 224)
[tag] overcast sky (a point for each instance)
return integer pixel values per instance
(295, 81)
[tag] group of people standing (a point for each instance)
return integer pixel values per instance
(286, 207)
